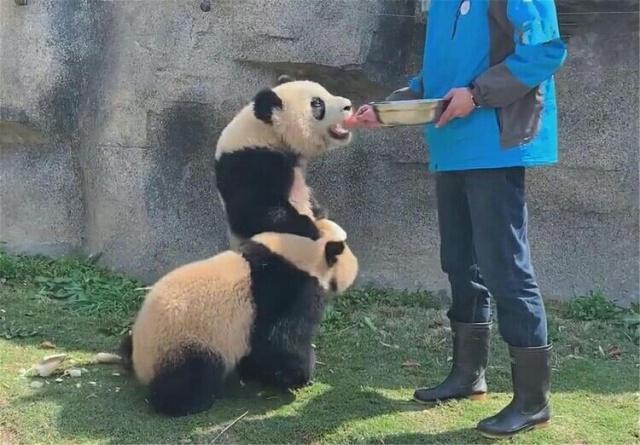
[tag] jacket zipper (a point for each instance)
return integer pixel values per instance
(455, 22)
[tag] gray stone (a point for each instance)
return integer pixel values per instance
(40, 200)
(109, 113)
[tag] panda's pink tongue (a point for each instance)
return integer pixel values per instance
(339, 129)
(339, 132)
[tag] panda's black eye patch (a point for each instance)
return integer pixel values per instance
(318, 108)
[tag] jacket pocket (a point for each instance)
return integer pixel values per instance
(519, 122)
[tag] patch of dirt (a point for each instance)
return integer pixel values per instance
(7, 435)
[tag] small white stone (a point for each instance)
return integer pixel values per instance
(74, 372)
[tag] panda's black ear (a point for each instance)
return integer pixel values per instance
(284, 78)
(331, 251)
(264, 103)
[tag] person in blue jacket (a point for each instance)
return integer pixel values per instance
(494, 61)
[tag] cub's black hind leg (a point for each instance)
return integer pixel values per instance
(187, 386)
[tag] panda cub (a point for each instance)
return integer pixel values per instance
(261, 157)
(254, 310)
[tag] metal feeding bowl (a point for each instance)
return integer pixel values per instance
(408, 112)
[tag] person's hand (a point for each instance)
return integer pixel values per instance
(460, 105)
(365, 117)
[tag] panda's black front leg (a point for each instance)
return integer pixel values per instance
(278, 368)
(318, 211)
(296, 370)
(252, 218)
(285, 218)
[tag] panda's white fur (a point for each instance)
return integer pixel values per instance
(206, 302)
(199, 321)
(261, 157)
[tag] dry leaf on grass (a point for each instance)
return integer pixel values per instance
(411, 364)
(106, 358)
(49, 364)
(614, 352)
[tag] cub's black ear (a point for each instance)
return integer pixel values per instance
(331, 251)
(284, 78)
(264, 103)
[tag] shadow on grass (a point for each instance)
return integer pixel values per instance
(100, 413)
(465, 435)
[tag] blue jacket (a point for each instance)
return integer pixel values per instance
(507, 51)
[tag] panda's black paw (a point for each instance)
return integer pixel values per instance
(292, 379)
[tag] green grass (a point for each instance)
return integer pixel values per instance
(368, 347)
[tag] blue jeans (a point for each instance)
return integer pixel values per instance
(484, 250)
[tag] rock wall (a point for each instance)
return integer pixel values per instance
(109, 113)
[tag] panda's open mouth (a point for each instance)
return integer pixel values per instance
(339, 132)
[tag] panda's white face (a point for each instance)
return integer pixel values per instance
(301, 115)
(310, 119)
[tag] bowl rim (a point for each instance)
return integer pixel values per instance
(393, 103)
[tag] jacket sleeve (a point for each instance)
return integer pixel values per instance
(538, 53)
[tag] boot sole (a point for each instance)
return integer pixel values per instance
(508, 435)
(474, 397)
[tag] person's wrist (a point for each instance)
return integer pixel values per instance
(473, 93)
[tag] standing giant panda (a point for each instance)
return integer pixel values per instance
(261, 157)
(255, 310)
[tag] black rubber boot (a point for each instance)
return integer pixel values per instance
(470, 355)
(529, 408)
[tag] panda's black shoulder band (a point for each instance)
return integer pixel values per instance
(264, 104)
